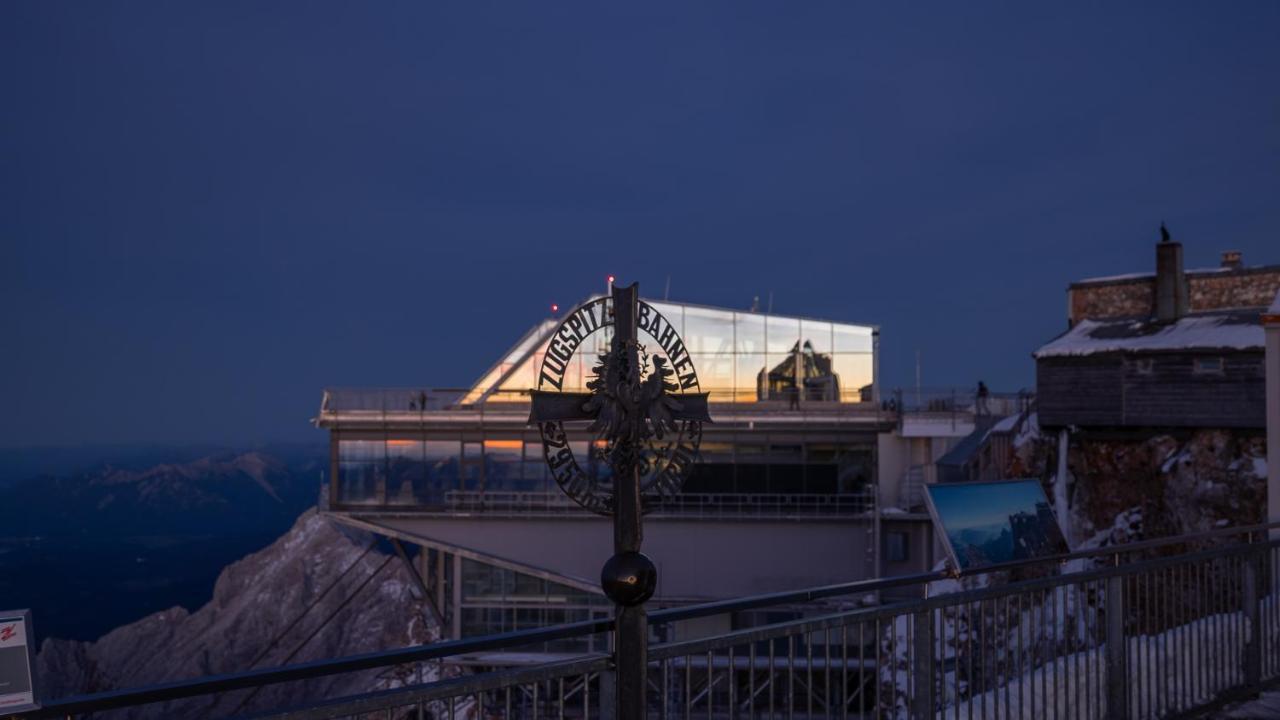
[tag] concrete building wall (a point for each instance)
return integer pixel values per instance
(891, 457)
(898, 452)
(696, 558)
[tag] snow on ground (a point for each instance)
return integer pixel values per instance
(1181, 668)
(1006, 424)
(1266, 707)
(1159, 666)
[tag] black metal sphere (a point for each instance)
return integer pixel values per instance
(629, 578)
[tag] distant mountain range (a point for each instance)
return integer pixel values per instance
(267, 609)
(123, 537)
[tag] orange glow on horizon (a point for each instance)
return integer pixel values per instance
(503, 444)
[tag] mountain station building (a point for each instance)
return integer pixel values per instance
(807, 476)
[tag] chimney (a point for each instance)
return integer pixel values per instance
(1232, 260)
(1171, 282)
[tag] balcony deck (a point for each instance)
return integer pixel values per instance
(410, 407)
(494, 504)
(356, 408)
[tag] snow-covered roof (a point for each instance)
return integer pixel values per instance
(1148, 275)
(1113, 278)
(1006, 424)
(1236, 330)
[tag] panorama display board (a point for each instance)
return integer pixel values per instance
(17, 657)
(988, 523)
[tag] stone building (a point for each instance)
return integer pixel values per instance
(1156, 392)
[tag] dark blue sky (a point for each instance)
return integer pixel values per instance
(209, 212)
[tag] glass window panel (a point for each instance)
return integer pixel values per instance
(575, 378)
(816, 334)
(361, 470)
(503, 465)
(672, 313)
(471, 466)
(786, 478)
(528, 586)
(785, 453)
(523, 378)
(715, 374)
(853, 372)
(535, 468)
(442, 469)
(820, 479)
(708, 331)
(781, 334)
(597, 342)
(595, 466)
(516, 387)
(747, 381)
(718, 452)
(852, 338)
(781, 381)
(750, 332)
(406, 471)
(515, 355)
(751, 477)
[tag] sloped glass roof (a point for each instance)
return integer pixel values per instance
(739, 357)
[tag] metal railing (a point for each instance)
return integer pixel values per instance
(965, 401)
(1155, 629)
(402, 404)
(692, 505)
(410, 400)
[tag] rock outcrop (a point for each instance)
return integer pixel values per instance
(1175, 485)
(351, 598)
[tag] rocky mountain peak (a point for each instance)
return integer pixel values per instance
(315, 571)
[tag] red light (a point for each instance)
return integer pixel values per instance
(610, 279)
(555, 308)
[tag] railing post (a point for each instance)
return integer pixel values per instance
(1117, 672)
(922, 702)
(608, 694)
(1253, 647)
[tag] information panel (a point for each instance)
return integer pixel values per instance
(17, 683)
(987, 523)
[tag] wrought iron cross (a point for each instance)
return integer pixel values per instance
(625, 409)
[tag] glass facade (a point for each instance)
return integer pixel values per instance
(739, 357)
(497, 600)
(431, 471)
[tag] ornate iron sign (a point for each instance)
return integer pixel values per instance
(646, 407)
(650, 431)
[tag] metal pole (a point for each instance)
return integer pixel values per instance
(1253, 646)
(922, 701)
(1117, 702)
(628, 571)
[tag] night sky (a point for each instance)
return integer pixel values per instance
(210, 212)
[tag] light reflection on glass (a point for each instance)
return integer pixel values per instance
(810, 360)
